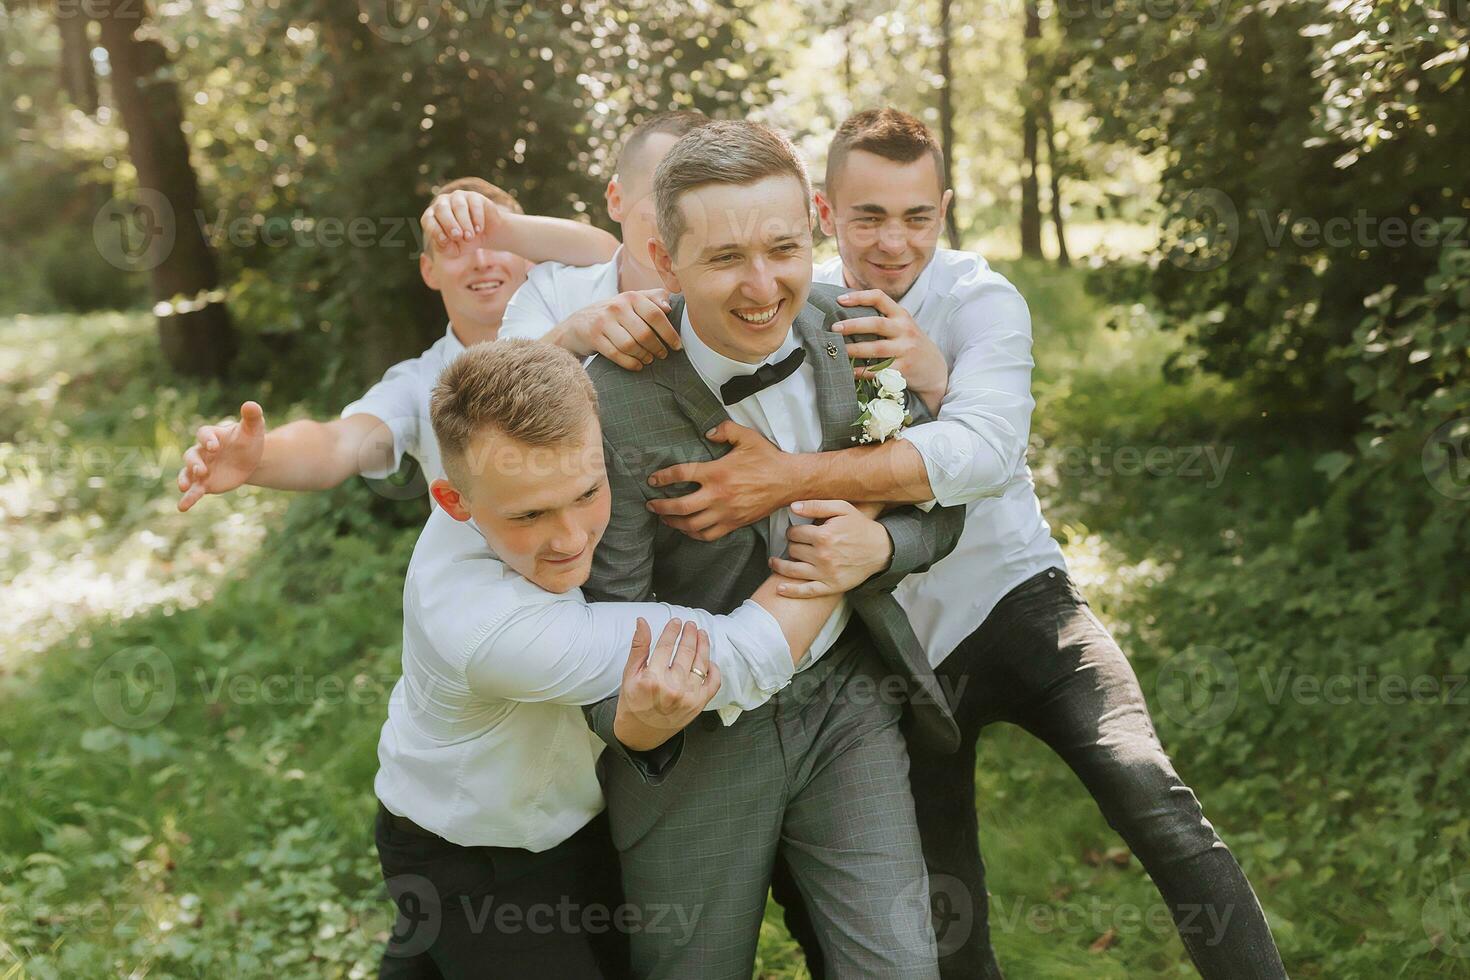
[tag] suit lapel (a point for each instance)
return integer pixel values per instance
(836, 396)
(698, 403)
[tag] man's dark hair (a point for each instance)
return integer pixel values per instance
(888, 133)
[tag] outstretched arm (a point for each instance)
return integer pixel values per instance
(463, 215)
(300, 455)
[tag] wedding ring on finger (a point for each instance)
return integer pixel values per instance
(699, 673)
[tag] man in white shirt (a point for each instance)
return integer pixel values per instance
(1008, 632)
(489, 828)
(476, 271)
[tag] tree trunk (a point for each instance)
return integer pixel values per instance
(1064, 258)
(946, 121)
(78, 80)
(194, 328)
(1030, 193)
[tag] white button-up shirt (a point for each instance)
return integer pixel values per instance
(975, 450)
(553, 291)
(786, 414)
(401, 401)
(485, 742)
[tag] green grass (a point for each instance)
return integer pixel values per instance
(231, 836)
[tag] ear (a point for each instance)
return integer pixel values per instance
(944, 203)
(613, 195)
(450, 499)
(427, 271)
(663, 264)
(825, 216)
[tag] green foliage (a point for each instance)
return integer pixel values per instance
(1313, 158)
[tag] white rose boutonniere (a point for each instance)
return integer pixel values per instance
(891, 383)
(884, 401)
(883, 420)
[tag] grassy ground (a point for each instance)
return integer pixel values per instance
(189, 704)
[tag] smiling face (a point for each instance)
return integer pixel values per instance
(743, 263)
(475, 283)
(886, 217)
(542, 510)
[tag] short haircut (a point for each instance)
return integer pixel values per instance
(532, 391)
(888, 133)
(674, 124)
(725, 152)
(480, 185)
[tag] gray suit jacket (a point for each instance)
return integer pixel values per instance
(657, 417)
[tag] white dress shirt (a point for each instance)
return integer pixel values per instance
(786, 414)
(485, 742)
(401, 401)
(553, 291)
(975, 450)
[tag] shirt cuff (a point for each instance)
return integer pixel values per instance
(399, 428)
(943, 462)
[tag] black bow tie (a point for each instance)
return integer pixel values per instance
(741, 388)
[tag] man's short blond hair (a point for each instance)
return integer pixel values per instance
(721, 152)
(532, 391)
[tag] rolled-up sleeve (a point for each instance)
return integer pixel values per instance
(972, 449)
(395, 401)
(572, 652)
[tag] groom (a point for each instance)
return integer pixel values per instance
(1004, 625)
(818, 774)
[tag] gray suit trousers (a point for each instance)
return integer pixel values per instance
(820, 771)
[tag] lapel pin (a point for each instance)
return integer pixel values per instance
(831, 349)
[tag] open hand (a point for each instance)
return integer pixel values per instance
(223, 456)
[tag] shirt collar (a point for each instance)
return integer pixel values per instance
(913, 300)
(715, 368)
(456, 346)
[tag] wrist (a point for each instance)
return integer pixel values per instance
(633, 734)
(796, 477)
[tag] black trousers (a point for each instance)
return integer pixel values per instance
(501, 911)
(1043, 661)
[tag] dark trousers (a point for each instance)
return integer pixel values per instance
(1043, 661)
(501, 911)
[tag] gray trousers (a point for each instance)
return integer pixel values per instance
(820, 774)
